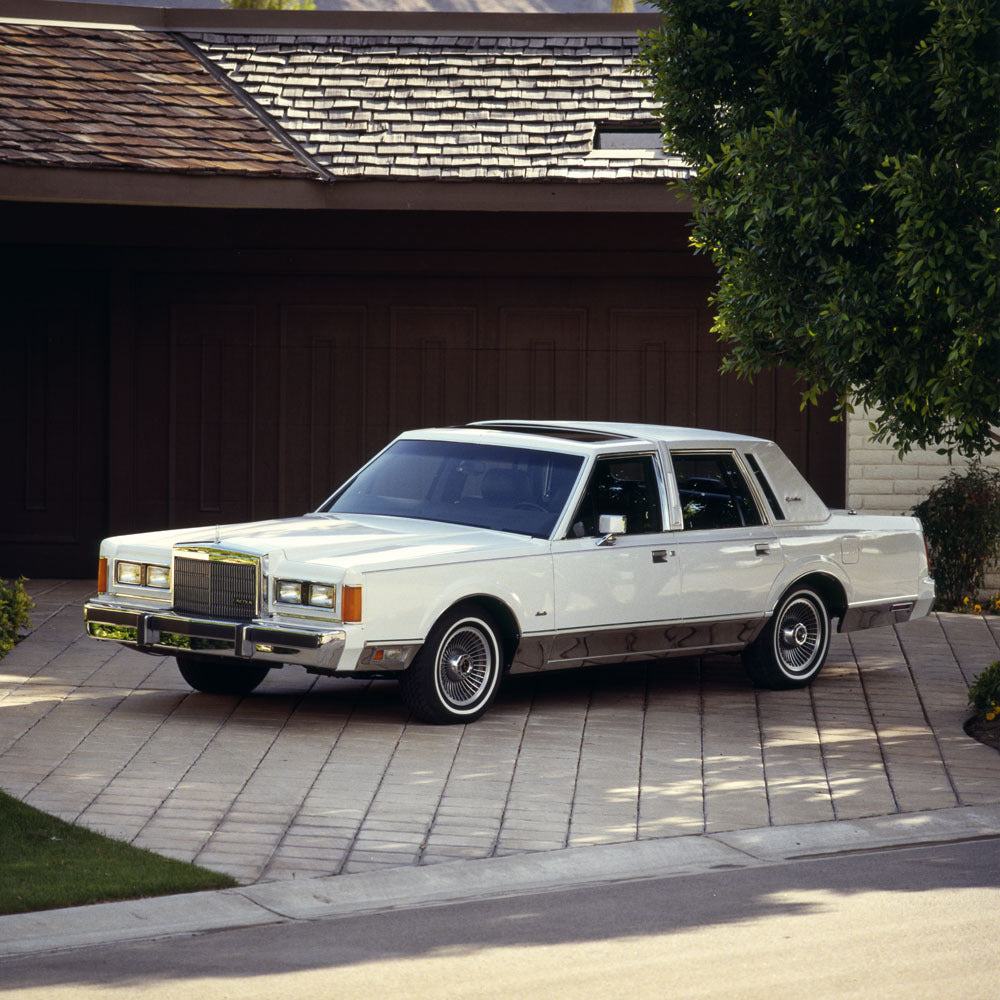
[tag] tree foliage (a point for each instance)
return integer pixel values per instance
(847, 184)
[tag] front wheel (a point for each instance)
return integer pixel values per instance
(455, 676)
(221, 674)
(791, 650)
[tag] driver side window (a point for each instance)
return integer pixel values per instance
(621, 486)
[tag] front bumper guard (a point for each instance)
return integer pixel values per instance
(168, 633)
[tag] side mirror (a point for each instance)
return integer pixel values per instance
(609, 526)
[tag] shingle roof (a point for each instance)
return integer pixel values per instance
(89, 97)
(441, 107)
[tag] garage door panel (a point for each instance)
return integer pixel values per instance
(212, 448)
(321, 414)
(541, 362)
(653, 364)
(433, 364)
(54, 421)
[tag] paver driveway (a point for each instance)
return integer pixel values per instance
(319, 776)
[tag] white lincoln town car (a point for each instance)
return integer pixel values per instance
(459, 554)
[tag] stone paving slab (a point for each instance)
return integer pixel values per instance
(311, 777)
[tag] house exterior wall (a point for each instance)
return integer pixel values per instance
(878, 481)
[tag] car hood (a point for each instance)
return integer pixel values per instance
(362, 541)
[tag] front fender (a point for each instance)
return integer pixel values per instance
(403, 605)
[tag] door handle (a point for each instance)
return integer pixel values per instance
(762, 549)
(662, 555)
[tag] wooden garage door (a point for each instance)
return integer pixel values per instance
(255, 397)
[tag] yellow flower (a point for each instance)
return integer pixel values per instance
(965, 600)
(977, 609)
(990, 716)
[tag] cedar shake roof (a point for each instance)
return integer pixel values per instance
(234, 108)
(484, 107)
(96, 98)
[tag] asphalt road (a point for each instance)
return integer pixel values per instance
(909, 923)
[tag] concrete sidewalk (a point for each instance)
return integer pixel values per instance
(677, 765)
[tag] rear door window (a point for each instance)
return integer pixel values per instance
(713, 492)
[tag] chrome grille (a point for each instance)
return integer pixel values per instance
(215, 588)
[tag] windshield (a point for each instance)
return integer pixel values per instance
(487, 486)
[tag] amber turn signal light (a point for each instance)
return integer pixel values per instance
(350, 604)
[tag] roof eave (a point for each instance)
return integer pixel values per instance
(275, 22)
(129, 187)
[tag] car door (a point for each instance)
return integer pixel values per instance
(729, 556)
(612, 591)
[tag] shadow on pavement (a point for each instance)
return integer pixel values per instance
(621, 914)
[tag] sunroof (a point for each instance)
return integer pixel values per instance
(566, 433)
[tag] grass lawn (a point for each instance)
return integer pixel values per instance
(47, 863)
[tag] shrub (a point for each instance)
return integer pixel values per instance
(984, 692)
(961, 520)
(14, 607)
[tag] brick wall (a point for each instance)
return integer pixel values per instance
(878, 482)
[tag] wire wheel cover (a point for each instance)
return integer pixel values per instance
(465, 665)
(800, 636)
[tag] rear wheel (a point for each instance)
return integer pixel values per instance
(455, 676)
(221, 674)
(791, 650)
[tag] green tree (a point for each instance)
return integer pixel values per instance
(269, 4)
(846, 181)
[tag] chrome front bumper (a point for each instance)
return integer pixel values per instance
(167, 633)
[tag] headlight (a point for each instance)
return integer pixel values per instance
(133, 574)
(142, 575)
(318, 595)
(288, 591)
(322, 595)
(128, 573)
